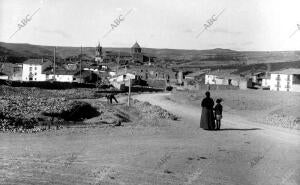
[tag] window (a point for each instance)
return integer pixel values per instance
(278, 77)
(30, 68)
(35, 68)
(16, 69)
(35, 73)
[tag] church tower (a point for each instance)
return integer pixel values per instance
(99, 53)
(136, 53)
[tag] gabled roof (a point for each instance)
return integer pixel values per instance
(136, 45)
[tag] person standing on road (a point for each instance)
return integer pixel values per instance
(207, 121)
(218, 113)
(111, 97)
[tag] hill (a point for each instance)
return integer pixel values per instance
(173, 57)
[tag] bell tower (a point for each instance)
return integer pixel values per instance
(99, 53)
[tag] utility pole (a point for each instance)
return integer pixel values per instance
(118, 63)
(129, 91)
(54, 60)
(80, 63)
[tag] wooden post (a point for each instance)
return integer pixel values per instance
(129, 92)
(80, 64)
(54, 64)
(118, 63)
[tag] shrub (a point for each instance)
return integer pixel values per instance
(77, 111)
(169, 88)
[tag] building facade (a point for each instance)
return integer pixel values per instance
(285, 80)
(33, 69)
(13, 71)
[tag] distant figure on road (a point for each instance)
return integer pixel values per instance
(218, 113)
(207, 121)
(110, 97)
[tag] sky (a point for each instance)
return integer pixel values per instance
(245, 25)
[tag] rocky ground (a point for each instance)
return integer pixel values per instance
(28, 109)
(25, 108)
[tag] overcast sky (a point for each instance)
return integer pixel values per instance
(243, 25)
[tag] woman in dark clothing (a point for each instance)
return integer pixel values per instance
(207, 121)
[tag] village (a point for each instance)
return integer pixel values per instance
(117, 68)
(142, 92)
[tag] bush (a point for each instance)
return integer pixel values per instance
(77, 111)
(169, 88)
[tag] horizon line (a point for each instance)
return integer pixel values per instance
(80, 45)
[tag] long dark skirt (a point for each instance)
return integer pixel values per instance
(207, 121)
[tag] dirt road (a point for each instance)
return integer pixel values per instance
(179, 152)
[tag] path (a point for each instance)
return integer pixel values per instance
(273, 142)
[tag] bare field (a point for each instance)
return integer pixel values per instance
(274, 108)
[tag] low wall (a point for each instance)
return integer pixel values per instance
(157, 83)
(209, 87)
(47, 85)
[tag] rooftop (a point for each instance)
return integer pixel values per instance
(136, 45)
(289, 71)
(198, 73)
(36, 61)
(224, 72)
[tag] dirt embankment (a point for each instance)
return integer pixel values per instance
(139, 113)
(273, 108)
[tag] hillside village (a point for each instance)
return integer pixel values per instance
(148, 92)
(116, 68)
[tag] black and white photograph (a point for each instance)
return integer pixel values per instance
(149, 92)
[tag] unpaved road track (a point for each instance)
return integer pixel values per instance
(177, 153)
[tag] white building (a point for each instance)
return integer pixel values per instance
(61, 77)
(122, 79)
(285, 80)
(3, 76)
(221, 77)
(266, 82)
(214, 79)
(33, 69)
